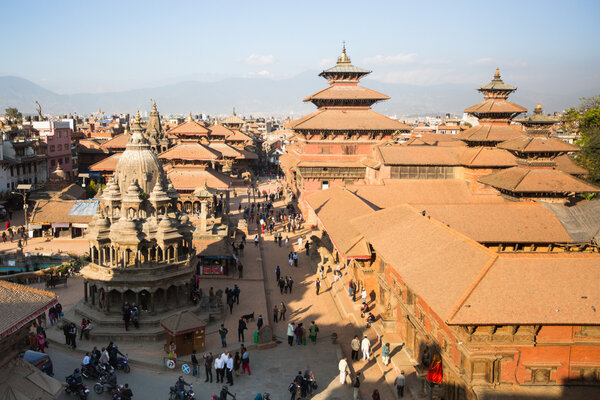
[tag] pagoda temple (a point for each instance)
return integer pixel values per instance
(495, 115)
(334, 144)
(140, 246)
(537, 123)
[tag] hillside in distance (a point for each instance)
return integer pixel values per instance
(260, 96)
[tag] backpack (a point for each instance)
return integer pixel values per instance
(292, 387)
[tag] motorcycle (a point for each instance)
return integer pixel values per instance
(94, 371)
(110, 381)
(123, 363)
(187, 394)
(76, 387)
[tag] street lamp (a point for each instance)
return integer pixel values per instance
(25, 187)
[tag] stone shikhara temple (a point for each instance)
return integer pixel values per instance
(140, 244)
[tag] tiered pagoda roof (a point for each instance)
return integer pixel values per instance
(344, 105)
(190, 128)
(494, 113)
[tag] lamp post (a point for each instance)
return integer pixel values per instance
(24, 187)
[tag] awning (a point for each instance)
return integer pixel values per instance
(84, 226)
(60, 225)
(35, 226)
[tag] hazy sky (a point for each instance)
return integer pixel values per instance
(93, 46)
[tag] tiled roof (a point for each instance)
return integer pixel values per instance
(347, 68)
(108, 164)
(220, 130)
(118, 142)
(523, 180)
(71, 192)
(189, 128)
(490, 133)
(437, 263)
(419, 155)
(435, 139)
(534, 289)
(334, 207)
(238, 136)
(348, 119)
(190, 151)
(487, 157)
(182, 322)
(566, 164)
(192, 178)
(537, 144)
(56, 211)
(508, 222)
(348, 92)
(20, 304)
(233, 119)
(226, 150)
(420, 191)
(495, 106)
(582, 221)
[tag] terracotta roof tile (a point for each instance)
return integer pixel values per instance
(420, 191)
(220, 130)
(495, 106)
(333, 207)
(551, 289)
(192, 178)
(566, 164)
(487, 157)
(190, 151)
(118, 142)
(20, 304)
(226, 150)
(523, 180)
(349, 92)
(108, 164)
(57, 211)
(508, 222)
(353, 119)
(490, 133)
(189, 128)
(419, 155)
(536, 144)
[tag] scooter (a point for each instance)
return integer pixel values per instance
(76, 388)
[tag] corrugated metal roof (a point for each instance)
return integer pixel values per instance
(84, 208)
(581, 222)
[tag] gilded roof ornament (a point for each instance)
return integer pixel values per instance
(343, 58)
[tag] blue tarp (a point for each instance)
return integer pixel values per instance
(84, 207)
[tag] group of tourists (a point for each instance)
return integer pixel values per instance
(225, 366)
(131, 313)
(303, 385)
(299, 331)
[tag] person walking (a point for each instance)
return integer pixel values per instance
(298, 333)
(295, 256)
(365, 346)
(385, 354)
(343, 368)
(219, 369)
(241, 328)
(241, 270)
(73, 335)
(321, 272)
(237, 363)
(67, 333)
(282, 310)
(277, 273)
(236, 294)
(230, 302)
(355, 346)
(259, 322)
(275, 313)
(356, 385)
(290, 283)
(314, 329)
(208, 361)
(400, 382)
(363, 294)
(287, 242)
(290, 333)
(282, 285)
(223, 333)
(318, 285)
(126, 315)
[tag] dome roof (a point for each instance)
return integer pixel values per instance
(138, 161)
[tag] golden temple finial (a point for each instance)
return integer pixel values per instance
(497, 74)
(190, 119)
(343, 58)
(153, 105)
(137, 117)
(538, 109)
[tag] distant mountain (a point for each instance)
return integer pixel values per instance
(260, 96)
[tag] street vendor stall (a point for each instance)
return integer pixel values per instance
(187, 331)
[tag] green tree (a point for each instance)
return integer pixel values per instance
(586, 118)
(92, 188)
(13, 114)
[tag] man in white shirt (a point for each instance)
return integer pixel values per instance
(290, 333)
(229, 370)
(219, 369)
(365, 346)
(343, 368)
(86, 360)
